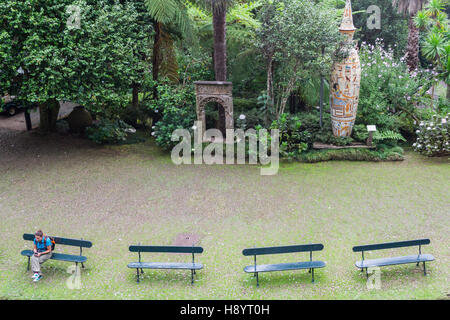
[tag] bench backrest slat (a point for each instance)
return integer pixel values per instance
(391, 245)
(166, 249)
(283, 249)
(63, 241)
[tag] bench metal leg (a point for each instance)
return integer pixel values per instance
(137, 275)
(417, 264)
(367, 274)
(82, 265)
(424, 269)
(312, 273)
(362, 269)
(142, 271)
(257, 280)
(192, 276)
(309, 271)
(28, 267)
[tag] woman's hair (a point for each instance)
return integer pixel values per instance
(39, 233)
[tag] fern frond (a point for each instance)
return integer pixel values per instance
(163, 11)
(388, 135)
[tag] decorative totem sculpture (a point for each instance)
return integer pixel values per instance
(345, 80)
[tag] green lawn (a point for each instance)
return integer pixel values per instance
(122, 195)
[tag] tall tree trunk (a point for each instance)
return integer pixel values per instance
(270, 98)
(48, 113)
(156, 61)
(220, 44)
(412, 50)
(220, 55)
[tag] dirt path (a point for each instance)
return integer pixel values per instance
(17, 122)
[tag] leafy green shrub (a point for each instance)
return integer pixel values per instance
(109, 131)
(293, 141)
(385, 153)
(360, 133)
(433, 137)
(170, 96)
(174, 117)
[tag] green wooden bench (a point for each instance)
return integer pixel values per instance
(417, 258)
(165, 265)
(61, 256)
(310, 265)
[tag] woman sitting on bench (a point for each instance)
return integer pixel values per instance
(42, 252)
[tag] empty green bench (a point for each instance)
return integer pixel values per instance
(193, 266)
(417, 258)
(61, 256)
(310, 265)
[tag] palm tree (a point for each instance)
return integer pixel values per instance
(411, 7)
(219, 11)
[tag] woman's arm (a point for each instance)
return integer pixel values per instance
(49, 249)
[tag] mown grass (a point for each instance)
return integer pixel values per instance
(116, 196)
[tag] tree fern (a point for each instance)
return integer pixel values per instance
(169, 65)
(170, 12)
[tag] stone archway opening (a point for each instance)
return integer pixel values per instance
(219, 92)
(212, 116)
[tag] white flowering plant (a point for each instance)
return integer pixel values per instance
(389, 94)
(433, 137)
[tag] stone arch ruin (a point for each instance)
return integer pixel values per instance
(214, 91)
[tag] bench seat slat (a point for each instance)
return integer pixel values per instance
(394, 260)
(58, 256)
(165, 265)
(166, 249)
(285, 266)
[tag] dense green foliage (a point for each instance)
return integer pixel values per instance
(50, 54)
(177, 105)
(293, 141)
(136, 61)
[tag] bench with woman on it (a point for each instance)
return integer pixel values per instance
(43, 250)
